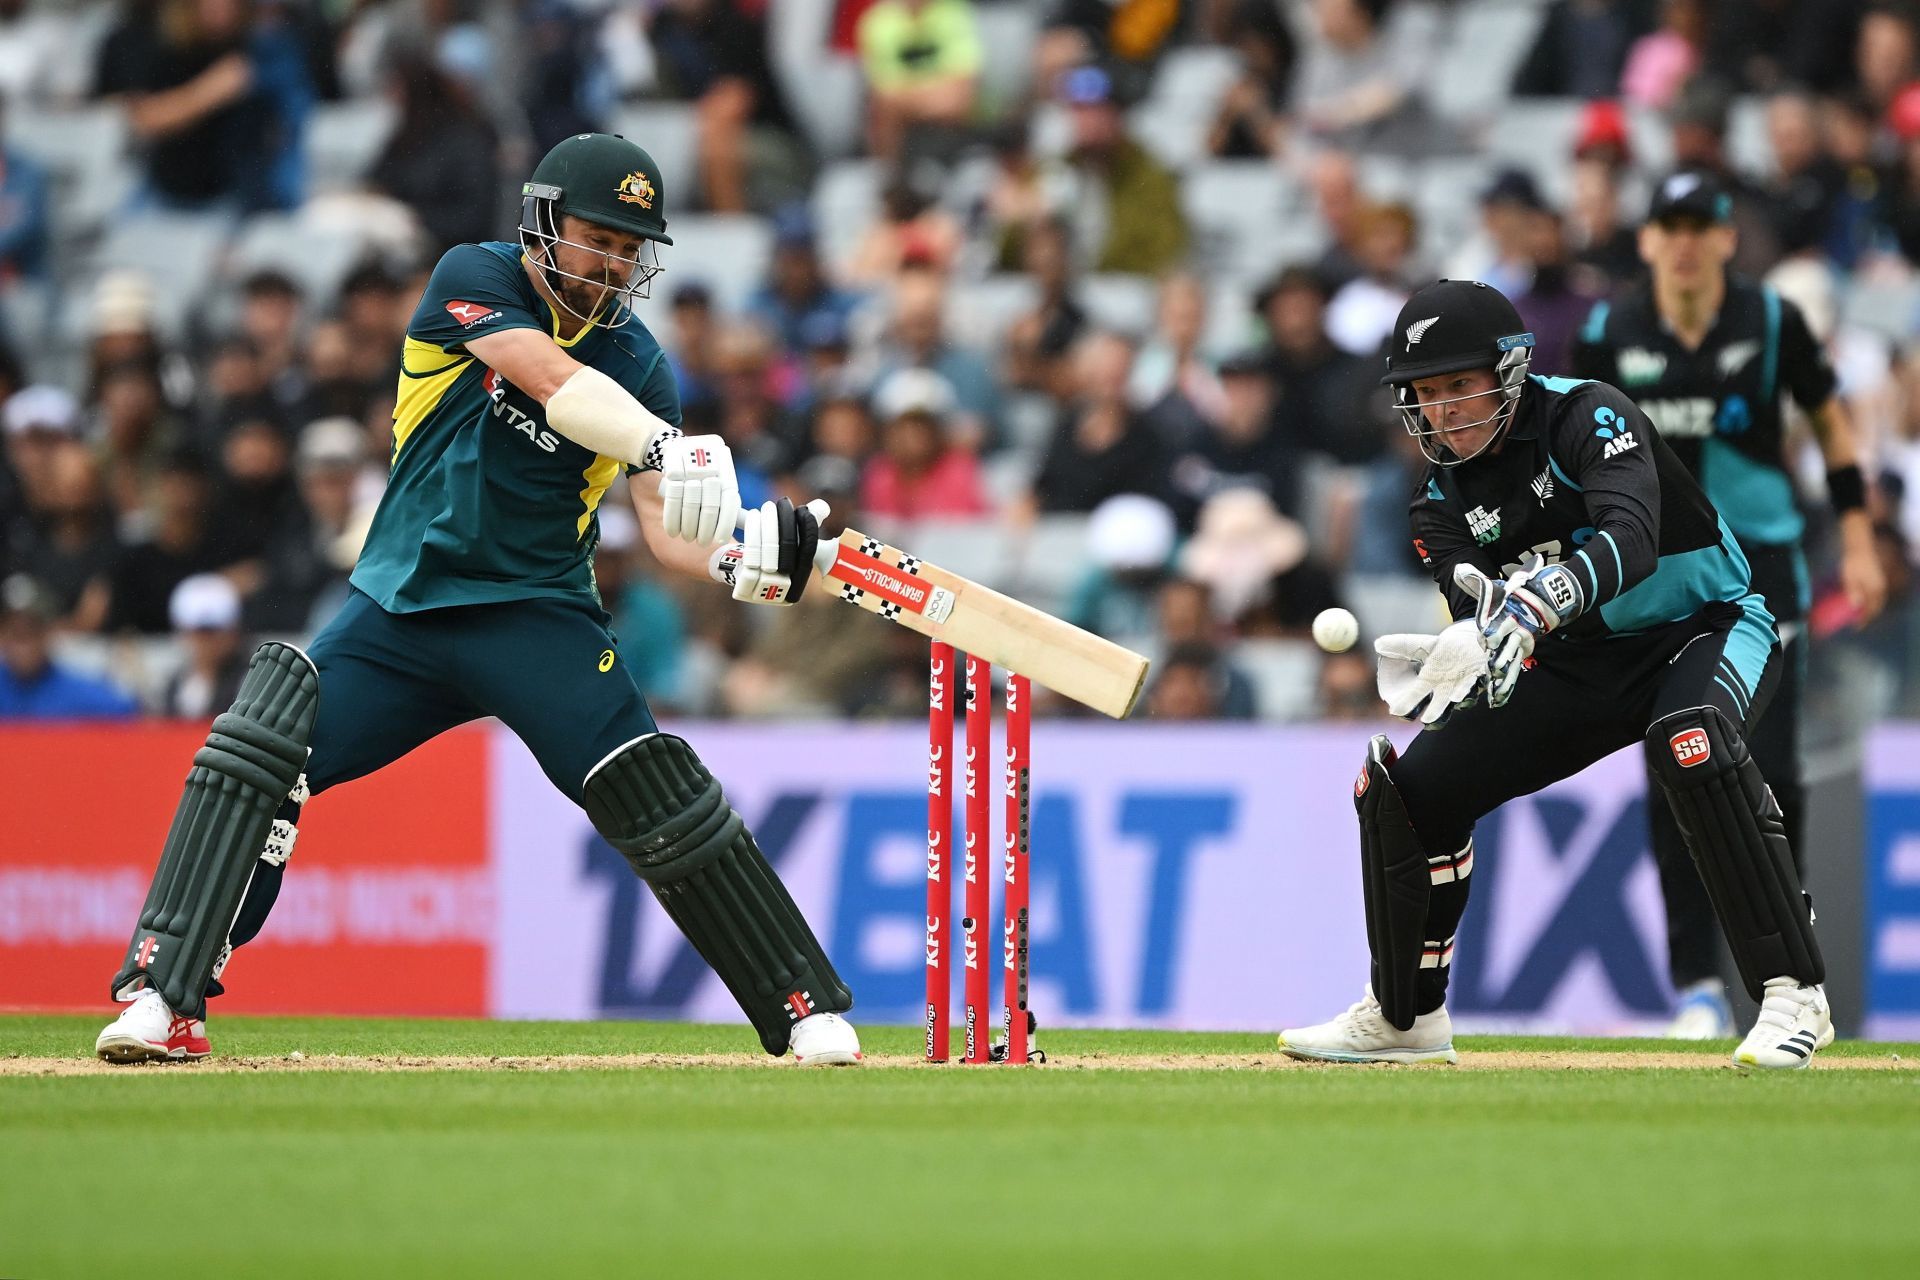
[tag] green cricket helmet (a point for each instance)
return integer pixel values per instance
(604, 179)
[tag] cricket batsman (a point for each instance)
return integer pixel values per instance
(1710, 356)
(527, 384)
(1599, 600)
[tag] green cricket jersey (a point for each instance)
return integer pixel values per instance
(486, 502)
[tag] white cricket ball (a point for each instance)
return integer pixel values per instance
(1335, 630)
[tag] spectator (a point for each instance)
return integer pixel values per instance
(713, 53)
(1335, 179)
(690, 351)
(1361, 313)
(1606, 253)
(1130, 540)
(32, 685)
(178, 545)
(1500, 253)
(1100, 445)
(1901, 199)
(761, 434)
(1762, 46)
(566, 86)
(1189, 684)
(33, 42)
(1885, 56)
(1330, 402)
(1172, 380)
(270, 309)
(1581, 48)
(1700, 117)
(917, 338)
(920, 471)
(217, 102)
(234, 389)
(375, 306)
(205, 613)
(1016, 197)
(1038, 342)
(922, 62)
(1847, 126)
(1807, 184)
(796, 288)
(1251, 122)
(1241, 545)
(334, 377)
(1603, 135)
(443, 158)
(23, 213)
(255, 494)
(135, 431)
(1553, 306)
(912, 231)
(70, 550)
(38, 421)
(1126, 38)
(840, 442)
(1358, 70)
(1664, 59)
(1125, 204)
(1240, 448)
(308, 555)
(1346, 690)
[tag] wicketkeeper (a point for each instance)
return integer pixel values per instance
(527, 385)
(1599, 601)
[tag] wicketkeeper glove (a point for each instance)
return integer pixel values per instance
(1424, 678)
(1512, 615)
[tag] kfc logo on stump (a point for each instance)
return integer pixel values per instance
(1691, 747)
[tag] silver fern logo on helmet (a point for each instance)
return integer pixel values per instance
(1515, 354)
(1418, 330)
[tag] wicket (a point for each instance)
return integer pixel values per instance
(1016, 1019)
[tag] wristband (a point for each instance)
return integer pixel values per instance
(1846, 488)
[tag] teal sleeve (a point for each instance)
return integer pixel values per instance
(473, 291)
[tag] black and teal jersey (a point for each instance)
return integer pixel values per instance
(1719, 407)
(1583, 478)
(486, 502)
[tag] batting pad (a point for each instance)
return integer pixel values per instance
(1399, 885)
(252, 760)
(656, 803)
(1733, 829)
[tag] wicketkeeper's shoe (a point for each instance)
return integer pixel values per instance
(1794, 1022)
(824, 1040)
(148, 1031)
(1363, 1034)
(1702, 1013)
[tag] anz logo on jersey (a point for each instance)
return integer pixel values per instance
(496, 388)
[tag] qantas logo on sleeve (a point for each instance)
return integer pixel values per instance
(470, 314)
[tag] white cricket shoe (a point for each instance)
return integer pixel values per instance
(1702, 1013)
(1363, 1034)
(824, 1040)
(1794, 1022)
(148, 1031)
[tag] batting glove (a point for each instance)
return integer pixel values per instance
(699, 489)
(771, 563)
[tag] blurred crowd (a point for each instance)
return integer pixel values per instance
(1029, 360)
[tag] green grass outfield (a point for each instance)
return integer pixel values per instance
(282, 1169)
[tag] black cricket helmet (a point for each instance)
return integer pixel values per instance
(1451, 326)
(604, 179)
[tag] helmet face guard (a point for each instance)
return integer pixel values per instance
(1510, 375)
(540, 236)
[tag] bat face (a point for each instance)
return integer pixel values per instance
(979, 620)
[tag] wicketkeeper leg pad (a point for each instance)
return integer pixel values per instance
(1734, 831)
(1398, 885)
(656, 803)
(250, 765)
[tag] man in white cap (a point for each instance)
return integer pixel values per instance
(205, 612)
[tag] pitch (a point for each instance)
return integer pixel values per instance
(472, 1148)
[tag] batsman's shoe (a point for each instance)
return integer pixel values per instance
(1363, 1034)
(1702, 1013)
(1794, 1022)
(148, 1031)
(824, 1040)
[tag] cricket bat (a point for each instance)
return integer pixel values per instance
(979, 620)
